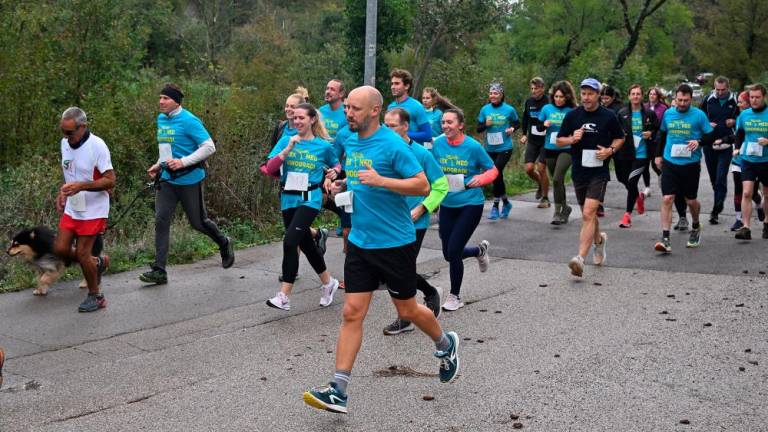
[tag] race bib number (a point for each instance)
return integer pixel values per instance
(455, 182)
(77, 202)
(344, 200)
(637, 139)
(754, 149)
(589, 159)
(553, 138)
(681, 151)
(296, 181)
(166, 153)
(495, 138)
(538, 132)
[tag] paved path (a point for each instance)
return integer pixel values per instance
(640, 344)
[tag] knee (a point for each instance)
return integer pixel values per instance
(588, 213)
(669, 199)
(352, 314)
(408, 312)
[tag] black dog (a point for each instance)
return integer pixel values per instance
(35, 246)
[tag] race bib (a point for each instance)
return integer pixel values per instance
(754, 149)
(344, 200)
(428, 145)
(77, 202)
(638, 140)
(455, 182)
(495, 138)
(166, 153)
(538, 132)
(589, 159)
(681, 151)
(553, 138)
(296, 181)
(735, 168)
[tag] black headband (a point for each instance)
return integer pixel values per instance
(172, 93)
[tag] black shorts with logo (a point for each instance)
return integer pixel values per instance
(534, 149)
(364, 269)
(680, 179)
(592, 188)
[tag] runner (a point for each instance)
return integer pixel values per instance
(609, 98)
(83, 201)
(558, 158)
(657, 103)
(397, 120)
(401, 82)
(533, 139)
(594, 134)
(468, 168)
(721, 109)
(499, 121)
(184, 145)
(751, 140)
(333, 111)
(285, 127)
(631, 160)
(683, 130)
(743, 101)
(380, 170)
(435, 103)
(303, 161)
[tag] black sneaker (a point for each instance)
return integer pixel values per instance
(321, 240)
(761, 214)
(713, 220)
(433, 302)
(227, 254)
(92, 303)
(682, 225)
(744, 233)
(399, 326)
(694, 240)
(156, 276)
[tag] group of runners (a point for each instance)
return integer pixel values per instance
(385, 180)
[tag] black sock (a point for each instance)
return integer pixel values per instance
(665, 234)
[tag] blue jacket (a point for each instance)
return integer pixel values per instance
(720, 113)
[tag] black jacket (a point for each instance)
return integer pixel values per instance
(717, 113)
(650, 123)
(531, 116)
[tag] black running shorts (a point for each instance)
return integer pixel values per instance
(592, 188)
(751, 171)
(396, 267)
(680, 179)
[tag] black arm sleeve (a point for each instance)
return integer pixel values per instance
(740, 137)
(481, 127)
(707, 139)
(526, 114)
(516, 124)
(660, 143)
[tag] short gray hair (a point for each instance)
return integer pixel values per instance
(76, 114)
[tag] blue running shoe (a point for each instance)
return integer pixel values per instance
(505, 209)
(494, 213)
(327, 398)
(449, 360)
(737, 225)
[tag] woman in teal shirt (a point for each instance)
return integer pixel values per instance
(435, 103)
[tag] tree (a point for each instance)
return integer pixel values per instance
(648, 8)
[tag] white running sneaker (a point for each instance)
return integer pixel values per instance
(576, 264)
(599, 252)
(453, 303)
(328, 291)
(280, 301)
(647, 192)
(484, 258)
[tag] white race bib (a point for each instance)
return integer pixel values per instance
(553, 138)
(455, 182)
(638, 140)
(77, 202)
(495, 138)
(165, 152)
(296, 181)
(344, 200)
(754, 149)
(589, 159)
(428, 145)
(681, 151)
(535, 131)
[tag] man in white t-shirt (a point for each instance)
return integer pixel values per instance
(83, 201)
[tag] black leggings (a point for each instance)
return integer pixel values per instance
(628, 172)
(650, 164)
(738, 190)
(457, 224)
(500, 160)
(297, 221)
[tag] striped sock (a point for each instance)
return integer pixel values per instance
(341, 379)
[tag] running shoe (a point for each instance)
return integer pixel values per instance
(327, 398)
(765, 231)
(102, 264)
(599, 251)
(399, 326)
(744, 233)
(2, 360)
(433, 301)
(664, 245)
(713, 219)
(760, 214)
(576, 264)
(155, 276)
(544, 203)
(682, 225)
(505, 209)
(328, 291)
(321, 240)
(227, 254)
(449, 360)
(280, 301)
(736, 225)
(453, 303)
(626, 221)
(600, 211)
(92, 303)
(640, 203)
(694, 240)
(484, 258)
(557, 218)
(538, 193)
(647, 192)
(494, 213)
(565, 214)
